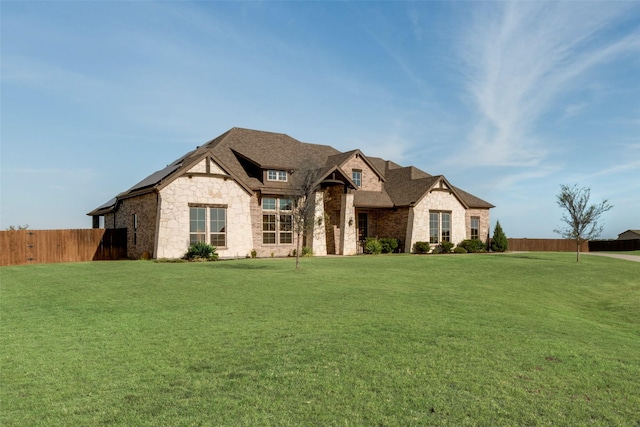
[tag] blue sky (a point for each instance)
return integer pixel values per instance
(507, 100)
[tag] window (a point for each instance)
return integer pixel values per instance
(439, 227)
(475, 227)
(274, 175)
(218, 226)
(197, 223)
(356, 175)
(434, 227)
(134, 219)
(277, 221)
(208, 221)
(445, 218)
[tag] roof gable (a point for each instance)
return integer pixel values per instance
(343, 158)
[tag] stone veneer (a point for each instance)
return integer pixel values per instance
(318, 236)
(173, 225)
(436, 200)
(348, 226)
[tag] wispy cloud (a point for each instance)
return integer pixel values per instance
(520, 57)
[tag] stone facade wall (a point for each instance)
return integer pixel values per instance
(485, 226)
(318, 239)
(173, 224)
(439, 201)
(348, 226)
(143, 238)
(370, 180)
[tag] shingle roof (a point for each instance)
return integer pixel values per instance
(237, 149)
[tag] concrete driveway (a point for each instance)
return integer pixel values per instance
(635, 258)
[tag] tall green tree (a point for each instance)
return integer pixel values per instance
(499, 243)
(580, 217)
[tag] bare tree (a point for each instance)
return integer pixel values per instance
(304, 205)
(580, 217)
(18, 227)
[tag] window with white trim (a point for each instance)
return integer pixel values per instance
(277, 221)
(208, 225)
(276, 175)
(439, 227)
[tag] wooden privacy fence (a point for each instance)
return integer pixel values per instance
(614, 245)
(546, 245)
(48, 246)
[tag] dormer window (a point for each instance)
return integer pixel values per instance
(274, 175)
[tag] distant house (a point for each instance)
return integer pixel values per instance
(237, 193)
(629, 235)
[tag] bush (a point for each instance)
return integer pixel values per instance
(372, 246)
(389, 245)
(422, 247)
(201, 251)
(499, 243)
(443, 248)
(473, 245)
(306, 251)
(459, 250)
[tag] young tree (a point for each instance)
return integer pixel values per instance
(580, 217)
(499, 243)
(304, 205)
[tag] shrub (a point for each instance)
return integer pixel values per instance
(443, 248)
(201, 251)
(372, 246)
(422, 247)
(459, 250)
(389, 245)
(306, 251)
(472, 245)
(499, 243)
(254, 253)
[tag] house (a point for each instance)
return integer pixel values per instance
(237, 192)
(629, 235)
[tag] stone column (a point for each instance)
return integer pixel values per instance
(318, 234)
(348, 226)
(410, 239)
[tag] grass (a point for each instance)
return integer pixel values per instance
(517, 339)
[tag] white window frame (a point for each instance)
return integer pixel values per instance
(276, 175)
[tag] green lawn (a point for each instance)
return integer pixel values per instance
(492, 340)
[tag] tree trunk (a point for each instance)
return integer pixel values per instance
(578, 251)
(298, 251)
